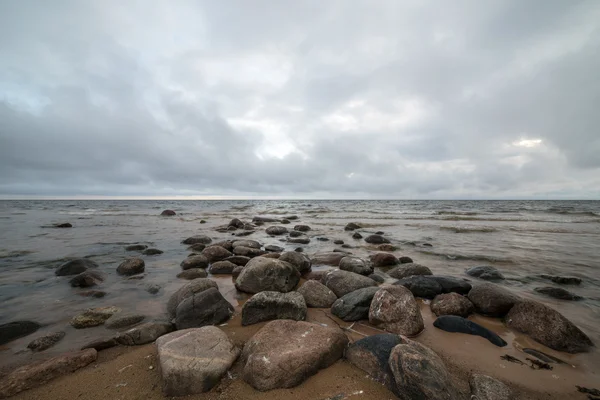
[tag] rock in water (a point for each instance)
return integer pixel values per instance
(376, 239)
(39, 373)
(119, 321)
(216, 253)
(451, 284)
(351, 226)
(332, 258)
(262, 274)
(192, 273)
(486, 272)
(276, 230)
(238, 260)
(202, 239)
(357, 236)
(344, 282)
(152, 252)
(63, 225)
(265, 306)
(407, 270)
(421, 286)
(563, 280)
(131, 266)
(356, 265)
(46, 341)
(404, 259)
(548, 327)
(144, 333)
(168, 213)
(87, 279)
(557, 293)
(75, 267)
(193, 287)
(208, 307)
(396, 310)
(93, 317)
(380, 260)
(316, 294)
(284, 353)
(17, 329)
(222, 267)
(136, 247)
(492, 300)
(194, 360)
(454, 323)
(452, 304)
(487, 388)
(248, 251)
(419, 373)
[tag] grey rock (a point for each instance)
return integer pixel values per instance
(351, 226)
(344, 282)
(299, 240)
(338, 241)
(144, 333)
(485, 272)
(376, 239)
(75, 267)
(377, 277)
(332, 258)
(380, 260)
(274, 249)
(302, 228)
(354, 306)
(267, 274)
(487, 388)
(202, 239)
(192, 273)
(452, 304)
(406, 270)
(238, 260)
(152, 252)
(120, 321)
(563, 280)
(295, 234)
(153, 288)
(357, 236)
(187, 290)
(101, 344)
(45, 342)
(492, 300)
(276, 230)
(136, 247)
(557, 293)
(131, 266)
(451, 284)
(93, 317)
(87, 279)
(195, 261)
(300, 261)
(248, 251)
(208, 307)
(356, 265)
(395, 309)
(198, 247)
(216, 253)
(267, 305)
(405, 260)
(264, 219)
(247, 243)
(316, 294)
(222, 267)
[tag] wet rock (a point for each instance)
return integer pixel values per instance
(101, 344)
(316, 294)
(347, 246)
(351, 226)
(356, 265)
(452, 304)
(153, 288)
(357, 236)
(131, 266)
(45, 342)
(264, 219)
(237, 271)
(295, 234)
(284, 353)
(39, 373)
(236, 223)
(377, 277)
(271, 255)
(198, 239)
(152, 252)
(136, 247)
(198, 247)
(285, 221)
(93, 317)
(298, 249)
(222, 267)
(405, 260)
(246, 243)
(454, 323)
(238, 260)
(380, 233)
(451, 284)
(395, 309)
(383, 260)
(557, 293)
(332, 258)
(492, 300)
(338, 241)
(302, 228)
(299, 240)
(484, 387)
(563, 280)
(75, 267)
(216, 253)
(192, 273)
(387, 247)
(144, 333)
(276, 230)
(548, 327)
(248, 251)
(376, 239)
(120, 321)
(344, 282)
(187, 290)
(195, 261)
(300, 261)
(323, 239)
(202, 221)
(87, 279)
(274, 249)
(63, 225)
(208, 307)
(316, 275)
(291, 217)
(168, 213)
(485, 272)
(194, 360)
(407, 270)
(421, 286)
(267, 305)
(263, 273)
(92, 293)
(354, 306)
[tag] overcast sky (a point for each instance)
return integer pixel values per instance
(383, 99)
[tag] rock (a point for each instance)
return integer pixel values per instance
(285, 221)
(354, 306)
(120, 321)
(316, 294)
(351, 226)
(75, 267)
(386, 247)
(131, 266)
(216, 253)
(168, 213)
(356, 265)
(194, 360)
(208, 307)
(492, 300)
(407, 270)
(87, 279)
(316, 275)
(454, 323)
(548, 327)
(92, 293)
(222, 267)
(357, 236)
(202, 221)
(383, 259)
(295, 234)
(136, 247)
(302, 228)
(246, 243)
(485, 272)
(487, 388)
(236, 271)
(274, 249)
(284, 353)
(563, 280)
(291, 217)
(236, 223)
(377, 277)
(197, 247)
(264, 219)
(192, 273)
(202, 239)
(153, 288)
(372, 353)
(299, 240)
(451, 284)
(267, 305)
(301, 262)
(227, 244)
(421, 286)
(558, 293)
(144, 333)
(41, 372)
(63, 225)
(248, 251)
(323, 239)
(329, 258)
(452, 304)
(238, 260)
(195, 286)
(299, 249)
(152, 252)
(380, 233)
(376, 239)
(45, 342)
(344, 282)
(101, 344)
(395, 309)
(267, 274)
(93, 317)
(405, 260)
(276, 230)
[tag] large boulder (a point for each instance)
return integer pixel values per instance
(356, 265)
(144, 333)
(191, 288)
(196, 261)
(485, 387)
(380, 260)
(451, 304)
(87, 279)
(332, 258)
(548, 327)
(395, 309)
(316, 294)
(557, 293)
(263, 273)
(250, 252)
(131, 266)
(192, 273)
(284, 353)
(45, 342)
(421, 286)
(75, 267)
(454, 323)
(216, 253)
(194, 360)
(354, 306)
(222, 267)
(300, 261)
(226, 244)
(93, 317)
(376, 239)
(485, 272)
(343, 282)
(208, 307)
(202, 239)
(276, 230)
(419, 373)
(267, 305)
(492, 300)
(410, 269)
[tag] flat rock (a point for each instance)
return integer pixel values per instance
(145, 333)
(263, 273)
(452, 304)
(343, 282)
(45, 342)
(194, 360)
(354, 306)
(492, 300)
(93, 317)
(563, 280)
(284, 353)
(410, 269)
(485, 387)
(485, 272)
(75, 267)
(136, 247)
(222, 267)
(276, 230)
(356, 265)
(454, 323)
(316, 294)
(87, 279)
(208, 307)
(376, 239)
(216, 253)
(557, 293)
(300, 261)
(332, 258)
(202, 239)
(267, 305)
(383, 260)
(131, 266)
(120, 321)
(192, 273)
(187, 290)
(395, 309)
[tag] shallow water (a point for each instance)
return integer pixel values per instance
(521, 238)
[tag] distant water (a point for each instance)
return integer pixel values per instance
(521, 238)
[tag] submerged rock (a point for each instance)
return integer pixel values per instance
(267, 274)
(343, 282)
(267, 305)
(202, 239)
(75, 267)
(354, 306)
(395, 309)
(101, 344)
(452, 304)
(316, 294)
(120, 321)
(563, 280)
(131, 266)
(486, 272)
(92, 293)
(45, 342)
(298, 240)
(63, 225)
(152, 252)
(93, 317)
(136, 247)
(380, 260)
(454, 323)
(351, 226)
(87, 279)
(332, 258)
(208, 307)
(558, 293)
(492, 300)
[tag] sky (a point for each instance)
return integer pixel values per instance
(306, 99)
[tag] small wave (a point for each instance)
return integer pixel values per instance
(468, 229)
(456, 213)
(471, 257)
(545, 230)
(571, 211)
(14, 253)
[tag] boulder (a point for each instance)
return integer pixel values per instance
(395, 309)
(383, 259)
(93, 317)
(75, 267)
(238, 260)
(192, 273)
(191, 288)
(168, 213)
(454, 323)
(194, 360)
(299, 240)
(357, 235)
(316, 294)
(87, 279)
(452, 304)
(300, 261)
(274, 249)
(557, 293)
(276, 230)
(120, 321)
(485, 387)
(267, 305)
(386, 247)
(263, 273)
(351, 226)
(216, 253)
(343, 282)
(144, 333)
(563, 280)
(236, 272)
(354, 306)
(201, 239)
(226, 244)
(405, 260)
(356, 265)
(197, 247)
(248, 251)
(377, 277)
(451, 284)
(284, 353)
(208, 307)
(332, 258)
(302, 228)
(492, 300)
(338, 241)
(295, 234)
(136, 247)
(45, 342)
(222, 267)
(264, 219)
(196, 261)
(253, 244)
(131, 266)
(236, 223)
(406, 270)
(152, 252)
(421, 286)
(376, 239)
(485, 272)
(548, 327)
(63, 225)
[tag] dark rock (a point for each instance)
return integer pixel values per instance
(192, 273)
(302, 228)
(247, 232)
(356, 265)
(407, 270)
(485, 272)
(344, 282)
(197, 261)
(93, 317)
(558, 293)
(202, 221)
(492, 300)
(299, 240)
(144, 333)
(347, 246)
(246, 243)
(152, 252)
(274, 249)
(196, 286)
(267, 305)
(295, 234)
(332, 258)
(120, 321)
(264, 219)
(17, 329)
(92, 293)
(298, 249)
(323, 239)
(208, 307)
(357, 236)
(238, 260)
(197, 247)
(351, 226)
(222, 267)
(454, 323)
(451, 284)
(316, 294)
(271, 255)
(337, 241)
(291, 217)
(168, 213)
(153, 288)
(248, 251)
(263, 273)
(405, 260)
(354, 306)
(395, 309)
(63, 225)
(276, 230)
(383, 260)
(131, 266)
(201, 239)
(487, 388)
(386, 247)
(376, 239)
(452, 304)
(136, 247)
(216, 253)
(563, 280)
(421, 286)
(101, 344)
(75, 267)
(236, 223)
(87, 279)
(316, 275)
(377, 277)
(237, 271)
(285, 221)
